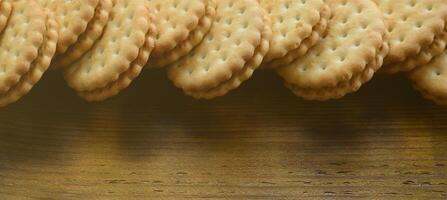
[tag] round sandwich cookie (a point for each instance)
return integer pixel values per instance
(425, 56)
(86, 40)
(413, 27)
(118, 57)
(26, 50)
(181, 26)
(318, 32)
(234, 47)
(431, 79)
(237, 79)
(296, 26)
(347, 87)
(345, 58)
(72, 17)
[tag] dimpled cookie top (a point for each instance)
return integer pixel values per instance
(354, 37)
(231, 42)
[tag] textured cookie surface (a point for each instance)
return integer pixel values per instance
(354, 38)
(86, 40)
(112, 55)
(48, 4)
(230, 44)
(169, 50)
(317, 33)
(125, 78)
(237, 79)
(176, 19)
(412, 25)
(425, 56)
(292, 22)
(39, 65)
(346, 87)
(21, 40)
(5, 12)
(73, 17)
(431, 79)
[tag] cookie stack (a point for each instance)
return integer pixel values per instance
(323, 49)
(81, 25)
(297, 26)
(416, 32)
(28, 43)
(118, 56)
(427, 69)
(181, 26)
(230, 52)
(347, 55)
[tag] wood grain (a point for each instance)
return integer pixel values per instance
(259, 142)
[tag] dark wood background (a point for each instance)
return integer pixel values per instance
(259, 142)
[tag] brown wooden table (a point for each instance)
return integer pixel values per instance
(259, 142)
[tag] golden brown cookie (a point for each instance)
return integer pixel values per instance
(351, 86)
(73, 18)
(425, 56)
(294, 22)
(28, 45)
(245, 74)
(431, 79)
(87, 39)
(182, 25)
(354, 46)
(126, 43)
(317, 33)
(413, 26)
(228, 50)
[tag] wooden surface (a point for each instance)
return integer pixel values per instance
(260, 142)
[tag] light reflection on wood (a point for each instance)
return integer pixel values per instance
(258, 142)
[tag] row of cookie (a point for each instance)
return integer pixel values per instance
(242, 36)
(415, 34)
(104, 44)
(99, 45)
(327, 49)
(129, 37)
(414, 43)
(323, 49)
